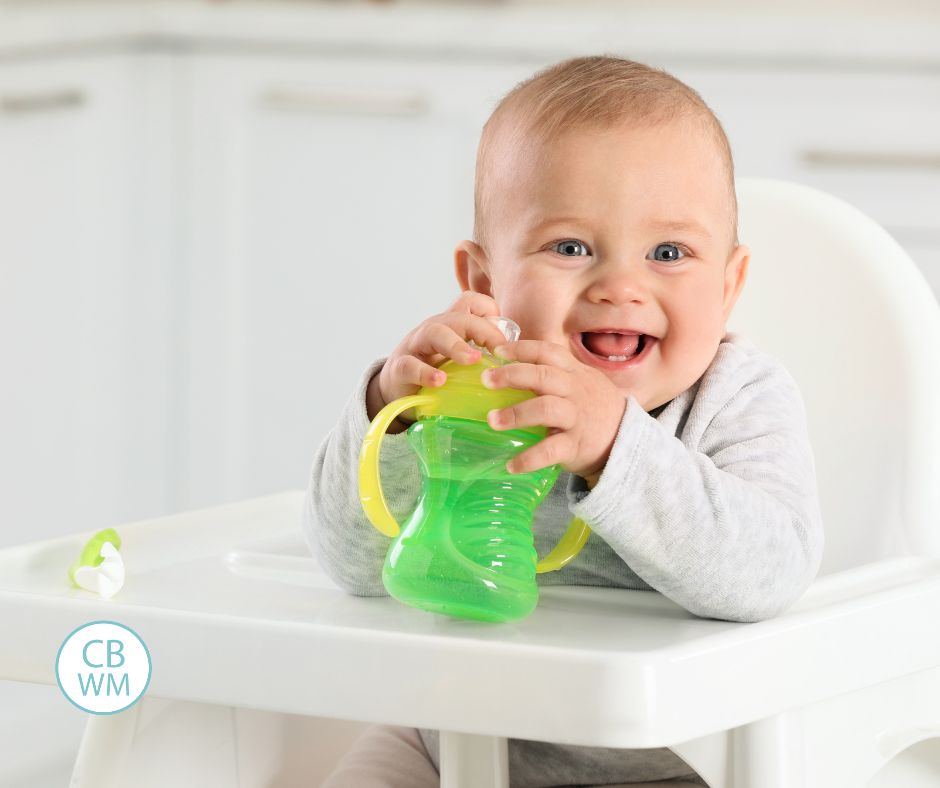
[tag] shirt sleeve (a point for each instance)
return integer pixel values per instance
(725, 523)
(348, 547)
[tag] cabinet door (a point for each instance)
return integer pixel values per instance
(82, 300)
(328, 196)
(869, 137)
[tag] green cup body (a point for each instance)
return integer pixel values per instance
(467, 549)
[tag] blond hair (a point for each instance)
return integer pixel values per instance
(588, 93)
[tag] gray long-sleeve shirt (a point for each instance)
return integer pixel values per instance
(709, 499)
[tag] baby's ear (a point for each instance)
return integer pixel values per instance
(472, 268)
(735, 277)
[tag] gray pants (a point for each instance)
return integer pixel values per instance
(390, 756)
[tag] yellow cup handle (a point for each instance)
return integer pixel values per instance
(370, 483)
(567, 548)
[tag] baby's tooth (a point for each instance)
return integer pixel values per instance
(616, 358)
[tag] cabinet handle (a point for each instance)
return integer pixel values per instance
(23, 103)
(870, 158)
(364, 102)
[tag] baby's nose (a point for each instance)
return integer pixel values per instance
(618, 284)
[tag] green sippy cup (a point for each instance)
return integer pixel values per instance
(467, 549)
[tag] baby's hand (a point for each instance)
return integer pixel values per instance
(579, 404)
(414, 362)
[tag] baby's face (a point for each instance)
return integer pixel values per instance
(583, 255)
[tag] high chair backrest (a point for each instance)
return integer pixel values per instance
(842, 305)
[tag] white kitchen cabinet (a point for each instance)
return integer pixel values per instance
(327, 197)
(867, 136)
(84, 293)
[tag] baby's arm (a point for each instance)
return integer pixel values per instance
(348, 547)
(724, 519)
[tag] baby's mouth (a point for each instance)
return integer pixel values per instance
(612, 346)
(612, 351)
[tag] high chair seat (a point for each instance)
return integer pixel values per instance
(250, 640)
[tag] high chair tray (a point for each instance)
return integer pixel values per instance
(236, 611)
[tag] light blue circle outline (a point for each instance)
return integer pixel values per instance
(122, 626)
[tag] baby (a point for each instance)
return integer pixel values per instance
(606, 227)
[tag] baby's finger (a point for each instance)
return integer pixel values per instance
(438, 337)
(544, 411)
(540, 378)
(537, 351)
(410, 371)
(481, 330)
(475, 303)
(557, 448)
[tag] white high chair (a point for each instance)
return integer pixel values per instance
(264, 672)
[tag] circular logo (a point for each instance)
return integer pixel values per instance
(103, 667)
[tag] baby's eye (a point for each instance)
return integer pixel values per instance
(569, 248)
(672, 252)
